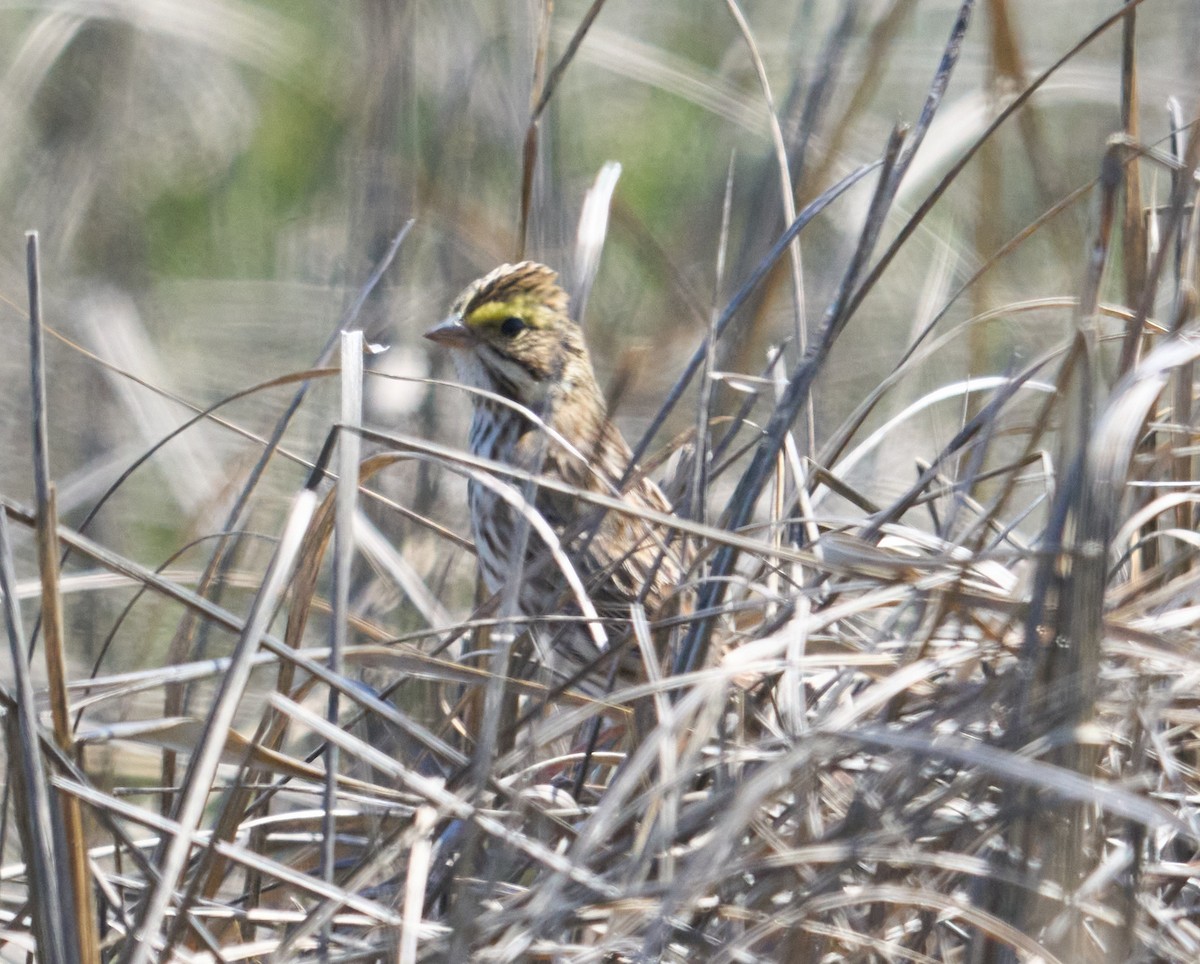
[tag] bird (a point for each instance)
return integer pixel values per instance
(538, 408)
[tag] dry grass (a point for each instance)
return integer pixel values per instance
(935, 696)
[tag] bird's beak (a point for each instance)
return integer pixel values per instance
(452, 333)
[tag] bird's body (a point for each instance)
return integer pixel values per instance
(512, 337)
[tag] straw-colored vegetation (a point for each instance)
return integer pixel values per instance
(896, 299)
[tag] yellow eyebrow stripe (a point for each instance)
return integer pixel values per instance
(493, 313)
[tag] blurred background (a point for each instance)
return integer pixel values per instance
(214, 181)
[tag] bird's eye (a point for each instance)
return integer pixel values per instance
(511, 326)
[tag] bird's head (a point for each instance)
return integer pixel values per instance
(511, 334)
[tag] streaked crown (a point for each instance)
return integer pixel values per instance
(527, 283)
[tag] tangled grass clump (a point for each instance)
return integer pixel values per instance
(933, 697)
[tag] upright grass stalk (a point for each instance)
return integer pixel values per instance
(81, 898)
